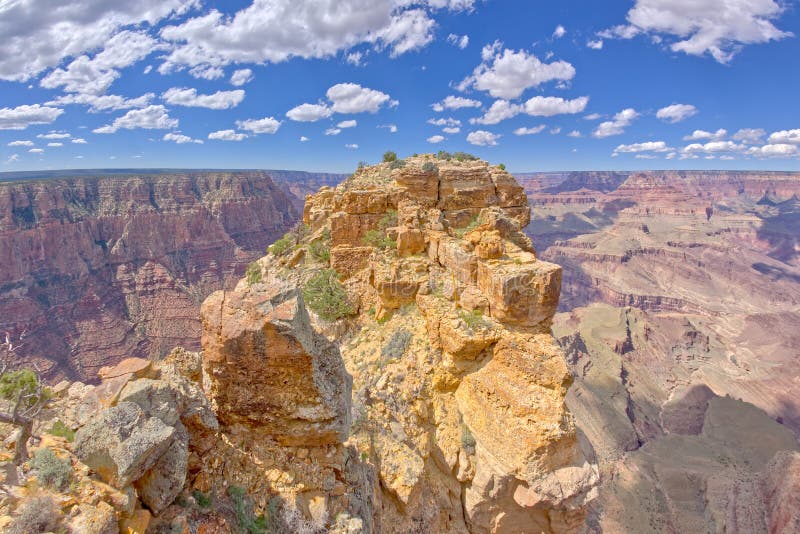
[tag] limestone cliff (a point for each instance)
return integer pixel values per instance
(391, 365)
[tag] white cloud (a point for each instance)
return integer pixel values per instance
(351, 146)
(548, 106)
(727, 157)
(716, 27)
(104, 102)
(451, 130)
(701, 135)
(593, 117)
(435, 139)
(241, 77)
(12, 159)
(20, 143)
(147, 69)
(785, 136)
(449, 121)
(352, 98)
(559, 32)
(181, 139)
(309, 112)
(649, 146)
(773, 150)
(227, 135)
(36, 151)
(347, 124)
(616, 126)
(206, 72)
(645, 156)
(461, 41)
(507, 74)
(267, 125)
(155, 117)
(39, 34)
(54, 135)
(499, 111)
(78, 141)
(482, 138)
(455, 102)
(55, 144)
(555, 131)
(333, 131)
(188, 97)
(712, 147)
(595, 44)
(750, 136)
(303, 138)
(391, 127)
(21, 117)
(575, 134)
(530, 131)
(676, 112)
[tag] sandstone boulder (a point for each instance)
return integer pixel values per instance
(159, 486)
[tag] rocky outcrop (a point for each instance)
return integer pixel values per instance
(438, 314)
(96, 269)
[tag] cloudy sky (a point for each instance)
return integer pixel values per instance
(324, 84)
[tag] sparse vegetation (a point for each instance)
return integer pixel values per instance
(51, 470)
(320, 249)
(430, 167)
(502, 166)
(243, 509)
(63, 431)
(397, 345)
(389, 156)
(22, 383)
(326, 296)
(281, 246)
(379, 237)
(362, 164)
(464, 156)
(467, 439)
(461, 232)
(203, 500)
(397, 164)
(253, 273)
(474, 320)
(36, 515)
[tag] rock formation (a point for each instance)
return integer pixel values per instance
(456, 421)
(96, 269)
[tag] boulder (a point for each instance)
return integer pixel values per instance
(99, 519)
(164, 481)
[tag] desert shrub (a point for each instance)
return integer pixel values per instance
(467, 439)
(379, 237)
(281, 246)
(474, 320)
(397, 345)
(243, 510)
(464, 156)
(63, 431)
(397, 164)
(22, 382)
(253, 273)
(389, 156)
(502, 166)
(362, 164)
(430, 166)
(325, 295)
(461, 232)
(39, 514)
(444, 155)
(320, 249)
(203, 500)
(51, 470)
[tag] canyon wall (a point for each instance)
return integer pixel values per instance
(96, 269)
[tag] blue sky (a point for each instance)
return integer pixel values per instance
(321, 85)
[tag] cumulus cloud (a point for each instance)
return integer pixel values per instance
(351, 146)
(309, 112)
(55, 144)
(712, 147)
(20, 143)
(188, 97)
(448, 121)
(616, 126)
(227, 135)
(455, 102)
(40, 34)
(181, 139)
(776, 150)
(347, 124)
(391, 127)
(36, 151)
(482, 138)
(155, 117)
(676, 112)
(595, 44)
(333, 131)
(104, 102)
(12, 159)
(78, 141)
(241, 77)
(530, 131)
(267, 125)
(500, 110)
(750, 136)
(435, 139)
(702, 135)
(548, 106)
(352, 98)
(451, 130)
(649, 146)
(21, 117)
(506, 73)
(303, 138)
(785, 137)
(593, 117)
(559, 32)
(54, 135)
(716, 27)
(575, 133)
(461, 41)
(355, 58)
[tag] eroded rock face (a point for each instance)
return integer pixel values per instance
(456, 421)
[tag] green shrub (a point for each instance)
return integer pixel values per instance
(203, 500)
(63, 431)
(397, 345)
(467, 439)
(461, 232)
(22, 382)
(444, 155)
(325, 295)
(36, 515)
(362, 164)
(379, 237)
(474, 320)
(281, 246)
(51, 471)
(430, 166)
(243, 509)
(320, 249)
(253, 273)
(389, 156)
(502, 166)
(397, 164)
(464, 156)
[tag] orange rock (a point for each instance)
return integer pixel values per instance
(136, 366)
